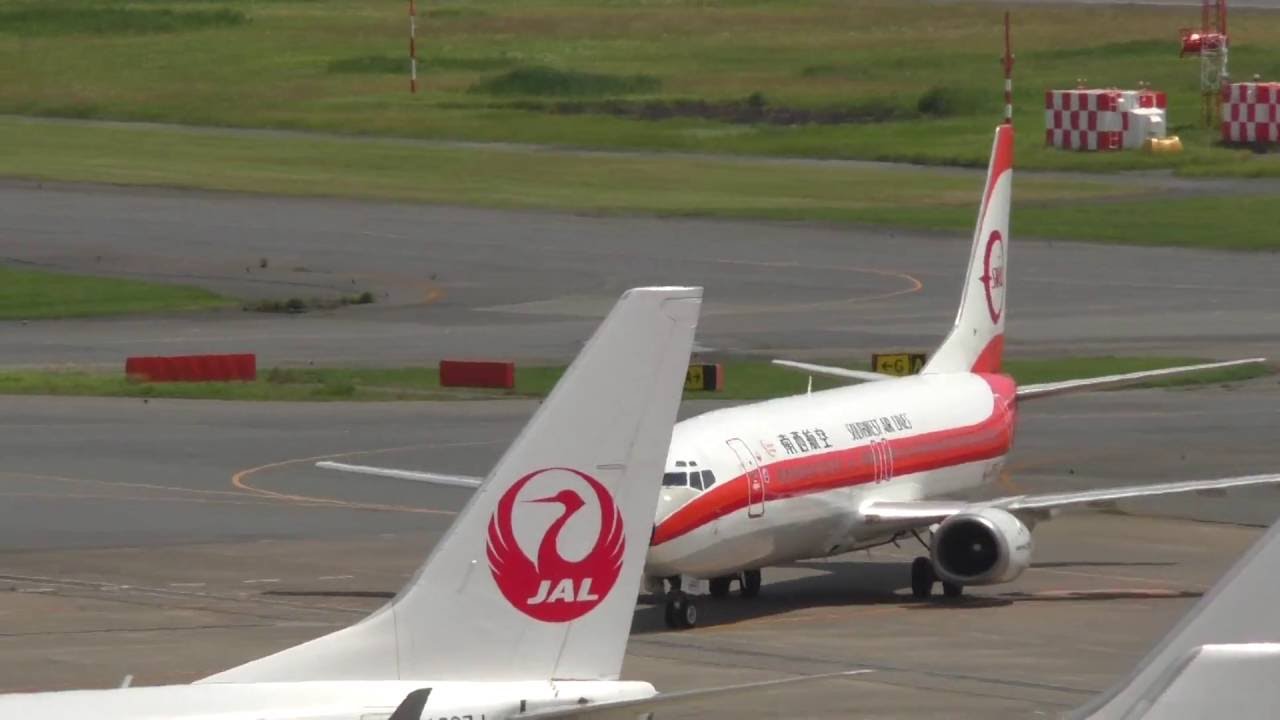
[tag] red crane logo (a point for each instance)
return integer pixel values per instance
(553, 589)
(993, 275)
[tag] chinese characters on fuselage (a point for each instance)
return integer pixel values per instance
(798, 442)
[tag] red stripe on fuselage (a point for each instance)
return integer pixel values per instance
(806, 475)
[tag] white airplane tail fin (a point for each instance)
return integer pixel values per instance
(1241, 612)
(976, 342)
(538, 577)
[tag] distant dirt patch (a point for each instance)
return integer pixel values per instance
(946, 102)
(540, 80)
(63, 18)
(369, 65)
(399, 64)
(301, 305)
(754, 110)
(456, 12)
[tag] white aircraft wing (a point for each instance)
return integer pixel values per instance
(834, 372)
(1106, 381)
(645, 707)
(467, 481)
(927, 512)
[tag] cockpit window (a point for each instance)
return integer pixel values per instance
(698, 480)
(675, 479)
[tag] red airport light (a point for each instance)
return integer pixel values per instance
(1194, 41)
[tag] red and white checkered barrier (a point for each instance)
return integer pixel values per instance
(1102, 119)
(1251, 112)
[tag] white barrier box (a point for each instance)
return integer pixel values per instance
(1093, 119)
(1251, 112)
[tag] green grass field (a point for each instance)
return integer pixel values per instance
(36, 294)
(745, 380)
(1045, 206)
(884, 79)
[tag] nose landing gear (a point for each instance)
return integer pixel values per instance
(681, 612)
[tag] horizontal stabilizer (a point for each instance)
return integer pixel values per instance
(926, 512)
(1111, 381)
(467, 481)
(1055, 500)
(833, 372)
(631, 709)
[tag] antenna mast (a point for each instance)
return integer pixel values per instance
(1007, 62)
(1211, 43)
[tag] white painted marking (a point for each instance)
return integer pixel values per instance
(335, 577)
(261, 580)
(186, 584)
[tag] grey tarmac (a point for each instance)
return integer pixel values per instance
(170, 539)
(531, 285)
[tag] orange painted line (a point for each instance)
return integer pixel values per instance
(132, 498)
(94, 481)
(914, 285)
(238, 480)
(1124, 578)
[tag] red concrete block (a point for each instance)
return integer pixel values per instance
(193, 368)
(477, 373)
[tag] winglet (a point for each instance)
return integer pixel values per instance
(496, 599)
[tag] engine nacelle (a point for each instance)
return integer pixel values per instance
(984, 547)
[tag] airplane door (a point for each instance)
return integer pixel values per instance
(755, 478)
(882, 460)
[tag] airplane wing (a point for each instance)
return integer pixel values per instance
(835, 372)
(632, 709)
(927, 512)
(466, 481)
(1062, 387)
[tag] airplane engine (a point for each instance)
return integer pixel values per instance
(984, 547)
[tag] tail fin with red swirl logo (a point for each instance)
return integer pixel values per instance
(976, 342)
(537, 578)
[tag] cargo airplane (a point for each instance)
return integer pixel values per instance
(872, 463)
(524, 606)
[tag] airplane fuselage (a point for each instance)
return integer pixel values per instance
(790, 474)
(345, 700)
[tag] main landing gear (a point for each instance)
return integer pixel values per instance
(923, 577)
(681, 611)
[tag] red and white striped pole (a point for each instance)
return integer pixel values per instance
(1008, 73)
(413, 50)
